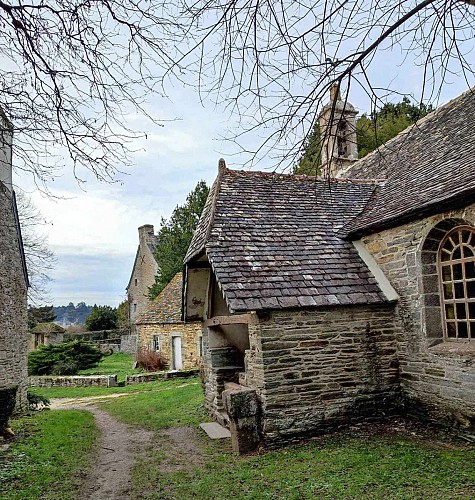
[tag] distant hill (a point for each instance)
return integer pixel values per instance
(71, 314)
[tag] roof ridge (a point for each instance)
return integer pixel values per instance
(301, 177)
(222, 169)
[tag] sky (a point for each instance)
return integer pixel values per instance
(92, 228)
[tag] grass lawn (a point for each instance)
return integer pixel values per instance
(155, 410)
(119, 364)
(80, 392)
(343, 467)
(402, 464)
(52, 453)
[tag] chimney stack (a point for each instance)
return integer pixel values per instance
(335, 94)
(146, 233)
(6, 141)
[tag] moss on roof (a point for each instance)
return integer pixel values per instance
(48, 328)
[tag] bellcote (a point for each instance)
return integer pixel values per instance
(338, 131)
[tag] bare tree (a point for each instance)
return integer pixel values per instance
(40, 259)
(69, 72)
(273, 62)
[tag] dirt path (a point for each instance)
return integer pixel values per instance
(118, 448)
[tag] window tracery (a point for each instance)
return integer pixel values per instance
(456, 259)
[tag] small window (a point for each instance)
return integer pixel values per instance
(135, 281)
(457, 280)
(156, 343)
(135, 307)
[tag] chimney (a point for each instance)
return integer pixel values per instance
(221, 165)
(6, 140)
(146, 234)
(335, 94)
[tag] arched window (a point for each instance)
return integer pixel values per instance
(456, 259)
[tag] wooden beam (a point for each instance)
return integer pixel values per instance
(236, 319)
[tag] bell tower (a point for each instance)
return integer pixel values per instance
(338, 131)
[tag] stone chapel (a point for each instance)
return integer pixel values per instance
(330, 301)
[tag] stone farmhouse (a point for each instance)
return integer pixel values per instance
(143, 274)
(345, 298)
(160, 328)
(13, 288)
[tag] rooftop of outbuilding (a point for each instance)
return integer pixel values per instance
(166, 308)
(272, 241)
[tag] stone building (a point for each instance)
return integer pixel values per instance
(330, 301)
(143, 274)
(45, 334)
(13, 284)
(160, 328)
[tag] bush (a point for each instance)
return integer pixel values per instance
(66, 358)
(36, 402)
(150, 361)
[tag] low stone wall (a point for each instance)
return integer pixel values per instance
(141, 378)
(74, 381)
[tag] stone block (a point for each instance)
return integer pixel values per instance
(242, 406)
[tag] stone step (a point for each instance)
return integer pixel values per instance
(222, 418)
(215, 431)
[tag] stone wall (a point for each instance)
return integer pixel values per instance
(13, 307)
(128, 344)
(190, 334)
(142, 378)
(437, 377)
(317, 370)
(73, 381)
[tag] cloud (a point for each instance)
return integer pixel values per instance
(91, 278)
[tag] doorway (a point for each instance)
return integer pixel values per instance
(176, 352)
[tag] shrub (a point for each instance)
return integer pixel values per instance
(66, 358)
(151, 361)
(36, 402)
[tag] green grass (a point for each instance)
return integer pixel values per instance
(52, 452)
(80, 392)
(119, 364)
(341, 466)
(345, 467)
(157, 410)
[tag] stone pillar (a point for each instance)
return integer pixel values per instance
(242, 406)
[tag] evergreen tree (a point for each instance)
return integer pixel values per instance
(374, 130)
(371, 130)
(174, 237)
(102, 318)
(43, 314)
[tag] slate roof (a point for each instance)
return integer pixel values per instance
(429, 168)
(166, 308)
(272, 241)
